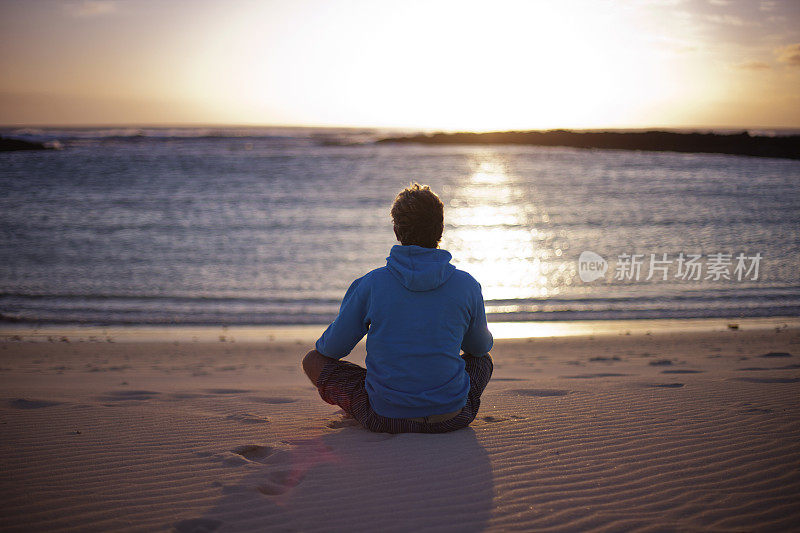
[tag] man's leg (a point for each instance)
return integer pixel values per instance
(339, 383)
(480, 372)
(313, 363)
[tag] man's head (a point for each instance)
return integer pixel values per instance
(418, 216)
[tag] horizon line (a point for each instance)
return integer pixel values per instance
(177, 125)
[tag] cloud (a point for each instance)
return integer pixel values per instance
(727, 20)
(91, 8)
(789, 54)
(753, 65)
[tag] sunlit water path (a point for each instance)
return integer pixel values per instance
(270, 226)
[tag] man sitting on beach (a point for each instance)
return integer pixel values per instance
(418, 312)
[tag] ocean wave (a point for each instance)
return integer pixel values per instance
(205, 310)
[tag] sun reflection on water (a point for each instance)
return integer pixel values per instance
(497, 233)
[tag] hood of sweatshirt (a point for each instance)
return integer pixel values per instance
(418, 268)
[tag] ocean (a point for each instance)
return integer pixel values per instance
(251, 226)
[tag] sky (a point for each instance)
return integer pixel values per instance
(436, 64)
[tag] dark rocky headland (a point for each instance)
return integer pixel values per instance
(660, 141)
(12, 145)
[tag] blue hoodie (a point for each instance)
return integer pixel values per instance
(420, 312)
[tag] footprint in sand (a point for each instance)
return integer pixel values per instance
(187, 395)
(768, 380)
(274, 400)
(128, 395)
(309, 444)
(666, 385)
(660, 362)
(196, 525)
(234, 460)
(757, 410)
(492, 419)
(542, 392)
(248, 418)
(227, 391)
(279, 482)
(776, 354)
(682, 371)
(254, 452)
(784, 367)
(22, 403)
(284, 466)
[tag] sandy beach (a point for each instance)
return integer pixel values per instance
(602, 195)
(651, 430)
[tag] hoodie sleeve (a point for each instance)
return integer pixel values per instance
(477, 340)
(349, 327)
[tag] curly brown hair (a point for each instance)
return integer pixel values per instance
(418, 216)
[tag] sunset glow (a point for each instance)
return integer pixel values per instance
(435, 65)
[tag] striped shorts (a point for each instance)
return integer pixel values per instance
(342, 383)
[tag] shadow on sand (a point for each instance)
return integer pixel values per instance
(355, 480)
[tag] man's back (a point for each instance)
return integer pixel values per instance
(420, 312)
